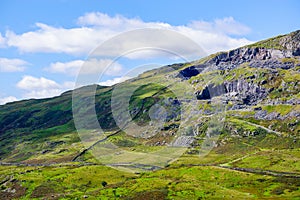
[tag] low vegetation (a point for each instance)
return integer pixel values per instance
(256, 154)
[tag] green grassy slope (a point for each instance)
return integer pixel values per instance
(257, 155)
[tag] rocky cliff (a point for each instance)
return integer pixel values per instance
(268, 61)
(271, 53)
(258, 83)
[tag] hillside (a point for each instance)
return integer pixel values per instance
(249, 96)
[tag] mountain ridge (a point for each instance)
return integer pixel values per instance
(262, 54)
(244, 78)
(244, 104)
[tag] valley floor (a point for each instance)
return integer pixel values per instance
(257, 174)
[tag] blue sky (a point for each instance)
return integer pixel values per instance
(44, 43)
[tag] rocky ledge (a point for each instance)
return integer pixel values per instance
(280, 52)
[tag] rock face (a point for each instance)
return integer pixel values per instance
(211, 91)
(255, 57)
(277, 53)
(191, 71)
(265, 54)
(264, 115)
(248, 92)
(258, 57)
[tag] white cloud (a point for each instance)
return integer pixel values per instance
(50, 39)
(71, 68)
(114, 81)
(93, 66)
(149, 43)
(39, 94)
(12, 65)
(2, 41)
(5, 100)
(42, 87)
(32, 83)
(117, 22)
(227, 25)
(90, 66)
(68, 85)
(104, 20)
(213, 41)
(95, 28)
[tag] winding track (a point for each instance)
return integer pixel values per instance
(151, 168)
(265, 128)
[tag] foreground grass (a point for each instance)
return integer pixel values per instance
(187, 178)
(217, 175)
(172, 183)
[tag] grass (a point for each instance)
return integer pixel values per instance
(75, 182)
(281, 109)
(290, 75)
(56, 148)
(242, 125)
(180, 180)
(43, 132)
(272, 43)
(295, 61)
(277, 160)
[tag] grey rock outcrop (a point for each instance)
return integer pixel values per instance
(266, 54)
(248, 92)
(264, 115)
(281, 52)
(191, 71)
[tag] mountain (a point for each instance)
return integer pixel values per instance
(255, 90)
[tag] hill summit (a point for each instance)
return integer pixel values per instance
(258, 84)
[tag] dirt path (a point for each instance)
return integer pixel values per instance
(266, 129)
(247, 170)
(120, 130)
(262, 172)
(227, 164)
